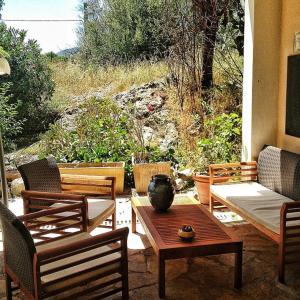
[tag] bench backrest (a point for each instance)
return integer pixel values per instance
(279, 170)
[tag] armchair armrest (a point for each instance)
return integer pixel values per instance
(88, 259)
(51, 212)
(33, 200)
(240, 171)
(54, 215)
(87, 244)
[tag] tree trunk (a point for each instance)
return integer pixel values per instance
(210, 11)
(210, 35)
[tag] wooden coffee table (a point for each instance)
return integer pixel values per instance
(212, 237)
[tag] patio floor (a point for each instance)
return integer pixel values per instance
(203, 278)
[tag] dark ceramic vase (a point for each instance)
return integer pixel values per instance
(161, 192)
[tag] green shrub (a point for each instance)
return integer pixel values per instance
(100, 134)
(32, 86)
(10, 126)
(221, 141)
(118, 31)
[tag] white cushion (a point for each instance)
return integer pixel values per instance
(97, 207)
(98, 210)
(75, 269)
(254, 200)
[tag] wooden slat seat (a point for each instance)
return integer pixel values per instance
(58, 277)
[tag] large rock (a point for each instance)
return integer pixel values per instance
(186, 174)
(18, 158)
(180, 184)
(16, 187)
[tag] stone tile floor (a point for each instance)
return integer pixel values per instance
(207, 277)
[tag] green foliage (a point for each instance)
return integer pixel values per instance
(118, 31)
(100, 134)
(32, 86)
(10, 126)
(221, 141)
(3, 53)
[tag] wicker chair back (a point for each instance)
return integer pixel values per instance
(18, 246)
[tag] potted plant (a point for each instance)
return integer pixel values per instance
(220, 143)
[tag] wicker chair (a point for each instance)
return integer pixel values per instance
(69, 265)
(44, 176)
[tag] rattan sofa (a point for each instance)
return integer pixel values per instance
(265, 193)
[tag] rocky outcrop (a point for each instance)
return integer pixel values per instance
(147, 103)
(14, 159)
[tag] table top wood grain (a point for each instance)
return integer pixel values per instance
(162, 228)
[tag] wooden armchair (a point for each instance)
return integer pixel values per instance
(43, 259)
(44, 176)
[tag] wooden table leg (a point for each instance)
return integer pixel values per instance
(161, 277)
(238, 273)
(133, 220)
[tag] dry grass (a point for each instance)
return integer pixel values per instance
(71, 80)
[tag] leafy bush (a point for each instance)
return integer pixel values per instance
(119, 31)
(10, 126)
(221, 141)
(100, 134)
(32, 86)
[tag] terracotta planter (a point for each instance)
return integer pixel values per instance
(203, 187)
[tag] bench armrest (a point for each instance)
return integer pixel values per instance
(289, 239)
(290, 216)
(240, 171)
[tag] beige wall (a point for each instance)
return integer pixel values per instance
(290, 25)
(261, 75)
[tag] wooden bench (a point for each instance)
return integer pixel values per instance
(264, 193)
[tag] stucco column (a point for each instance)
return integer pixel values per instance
(261, 75)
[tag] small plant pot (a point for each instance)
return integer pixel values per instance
(203, 188)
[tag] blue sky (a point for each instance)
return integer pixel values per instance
(52, 36)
